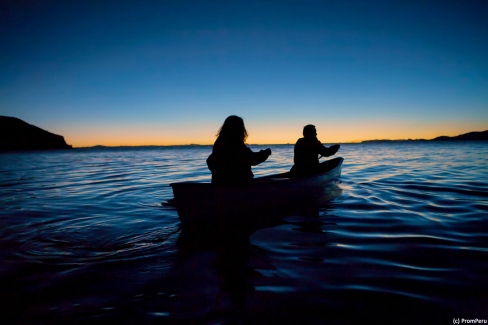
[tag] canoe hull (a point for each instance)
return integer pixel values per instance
(202, 204)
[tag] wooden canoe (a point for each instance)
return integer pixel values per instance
(202, 204)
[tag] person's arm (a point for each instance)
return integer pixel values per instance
(327, 152)
(258, 157)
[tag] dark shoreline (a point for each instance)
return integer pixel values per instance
(471, 136)
(275, 144)
(17, 135)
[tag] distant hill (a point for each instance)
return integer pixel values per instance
(471, 136)
(463, 137)
(16, 134)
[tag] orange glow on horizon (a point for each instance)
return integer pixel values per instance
(261, 133)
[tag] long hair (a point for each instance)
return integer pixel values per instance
(233, 129)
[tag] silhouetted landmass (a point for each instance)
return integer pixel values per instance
(16, 134)
(387, 140)
(471, 136)
(100, 146)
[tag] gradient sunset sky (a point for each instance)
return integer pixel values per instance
(170, 72)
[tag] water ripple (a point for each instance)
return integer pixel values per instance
(84, 236)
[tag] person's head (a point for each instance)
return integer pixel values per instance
(309, 131)
(233, 129)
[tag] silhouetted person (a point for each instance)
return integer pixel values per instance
(231, 161)
(307, 151)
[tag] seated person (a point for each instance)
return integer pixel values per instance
(307, 151)
(231, 161)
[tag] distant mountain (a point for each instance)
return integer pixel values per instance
(387, 140)
(463, 137)
(471, 136)
(16, 134)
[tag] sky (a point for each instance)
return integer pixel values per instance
(170, 72)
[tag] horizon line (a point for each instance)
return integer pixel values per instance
(205, 145)
(278, 144)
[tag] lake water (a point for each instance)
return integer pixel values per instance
(85, 239)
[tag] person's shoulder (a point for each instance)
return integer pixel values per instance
(301, 141)
(219, 144)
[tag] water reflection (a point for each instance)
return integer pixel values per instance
(216, 273)
(84, 239)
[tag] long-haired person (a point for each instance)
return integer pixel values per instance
(231, 161)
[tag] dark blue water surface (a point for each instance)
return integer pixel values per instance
(84, 239)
